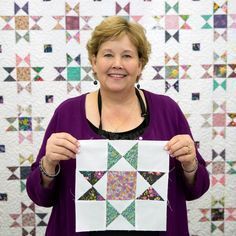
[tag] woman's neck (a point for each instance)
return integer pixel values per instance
(117, 99)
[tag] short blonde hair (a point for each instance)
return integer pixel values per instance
(114, 27)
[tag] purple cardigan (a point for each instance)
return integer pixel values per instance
(166, 121)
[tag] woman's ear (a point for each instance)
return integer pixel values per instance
(140, 67)
(93, 61)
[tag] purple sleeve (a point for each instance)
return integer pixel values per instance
(202, 181)
(38, 194)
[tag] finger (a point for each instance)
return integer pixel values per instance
(68, 137)
(64, 143)
(63, 151)
(178, 142)
(180, 150)
(173, 141)
(176, 147)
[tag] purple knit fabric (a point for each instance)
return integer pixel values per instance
(166, 121)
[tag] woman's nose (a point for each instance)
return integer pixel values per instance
(117, 63)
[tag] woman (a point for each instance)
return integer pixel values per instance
(118, 51)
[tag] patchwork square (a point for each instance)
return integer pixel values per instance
(172, 72)
(196, 46)
(49, 98)
(220, 71)
(47, 48)
(128, 213)
(172, 22)
(28, 219)
(218, 167)
(25, 123)
(220, 21)
(219, 120)
(3, 197)
(217, 214)
(23, 74)
(24, 171)
(72, 22)
(73, 73)
(2, 148)
(22, 22)
(121, 185)
(195, 96)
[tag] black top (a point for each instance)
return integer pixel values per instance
(131, 134)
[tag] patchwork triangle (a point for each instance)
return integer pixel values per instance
(113, 156)
(129, 213)
(93, 176)
(92, 195)
(22, 186)
(151, 177)
(132, 156)
(112, 213)
(150, 194)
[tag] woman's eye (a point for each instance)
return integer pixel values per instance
(127, 56)
(107, 55)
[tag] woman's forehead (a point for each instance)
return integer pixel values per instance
(123, 43)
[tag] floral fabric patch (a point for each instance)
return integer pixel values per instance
(93, 176)
(151, 177)
(92, 195)
(121, 185)
(150, 194)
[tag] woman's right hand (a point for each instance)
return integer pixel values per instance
(60, 146)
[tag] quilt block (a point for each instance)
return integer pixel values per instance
(121, 185)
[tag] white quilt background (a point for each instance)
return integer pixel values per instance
(43, 61)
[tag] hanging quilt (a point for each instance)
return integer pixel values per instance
(121, 185)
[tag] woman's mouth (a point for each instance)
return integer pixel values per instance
(115, 75)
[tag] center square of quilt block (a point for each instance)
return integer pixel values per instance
(121, 185)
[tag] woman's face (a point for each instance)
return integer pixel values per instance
(117, 64)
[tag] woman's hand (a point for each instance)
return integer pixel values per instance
(60, 146)
(182, 148)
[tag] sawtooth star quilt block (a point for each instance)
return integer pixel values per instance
(124, 183)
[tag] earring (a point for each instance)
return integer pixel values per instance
(137, 80)
(95, 82)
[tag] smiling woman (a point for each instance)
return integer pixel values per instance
(117, 65)
(114, 28)
(118, 51)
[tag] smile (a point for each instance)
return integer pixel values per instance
(117, 75)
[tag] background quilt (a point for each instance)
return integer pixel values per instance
(43, 61)
(125, 182)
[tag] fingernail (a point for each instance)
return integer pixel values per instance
(165, 148)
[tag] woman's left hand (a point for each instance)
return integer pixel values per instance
(182, 147)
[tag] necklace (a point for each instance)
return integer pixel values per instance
(142, 106)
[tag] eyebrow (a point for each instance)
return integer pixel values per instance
(125, 51)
